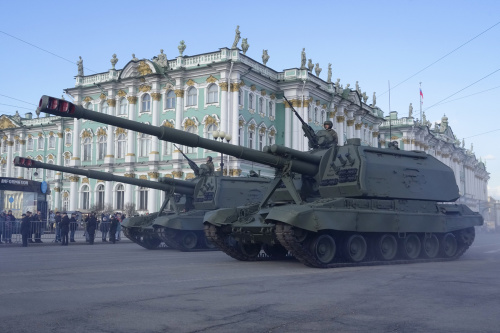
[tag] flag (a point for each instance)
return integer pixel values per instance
(421, 95)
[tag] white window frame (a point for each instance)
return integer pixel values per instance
(87, 149)
(101, 147)
(212, 94)
(146, 103)
(192, 99)
(170, 100)
(121, 145)
(123, 109)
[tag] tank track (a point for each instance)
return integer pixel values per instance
(214, 235)
(139, 240)
(300, 251)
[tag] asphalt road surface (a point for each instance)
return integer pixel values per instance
(125, 288)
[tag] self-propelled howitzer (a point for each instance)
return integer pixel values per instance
(181, 229)
(347, 200)
(138, 229)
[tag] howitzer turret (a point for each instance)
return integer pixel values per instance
(350, 198)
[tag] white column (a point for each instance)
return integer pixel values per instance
(153, 194)
(131, 135)
(296, 128)
(234, 126)
(110, 132)
(154, 155)
(179, 114)
(10, 152)
(75, 160)
(73, 192)
(340, 130)
(129, 194)
(288, 124)
(108, 194)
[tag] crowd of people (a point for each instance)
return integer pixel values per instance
(32, 227)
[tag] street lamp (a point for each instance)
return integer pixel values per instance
(222, 136)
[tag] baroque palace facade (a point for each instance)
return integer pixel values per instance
(223, 90)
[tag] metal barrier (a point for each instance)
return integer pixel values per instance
(47, 232)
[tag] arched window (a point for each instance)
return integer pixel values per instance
(50, 173)
(52, 142)
(315, 114)
(250, 101)
(102, 143)
(145, 103)
(143, 198)
(213, 94)
(144, 145)
(120, 197)
(261, 105)
(167, 147)
(323, 116)
(67, 159)
(262, 136)
(190, 129)
(192, 96)
(250, 139)
(121, 146)
(104, 107)
(65, 203)
(123, 106)
(89, 106)
(40, 142)
(271, 110)
(67, 138)
(240, 136)
(29, 145)
(87, 149)
(170, 100)
(85, 197)
(271, 140)
(100, 196)
(210, 129)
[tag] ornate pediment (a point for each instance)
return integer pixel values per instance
(121, 93)
(5, 123)
(168, 124)
(190, 83)
(211, 79)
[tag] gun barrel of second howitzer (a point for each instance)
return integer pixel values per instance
(176, 136)
(106, 176)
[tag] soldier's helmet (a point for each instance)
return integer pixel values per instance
(328, 122)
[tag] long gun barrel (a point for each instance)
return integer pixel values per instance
(308, 130)
(62, 108)
(181, 187)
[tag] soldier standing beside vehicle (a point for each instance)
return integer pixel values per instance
(37, 226)
(26, 228)
(112, 229)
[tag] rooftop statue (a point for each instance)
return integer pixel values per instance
(181, 47)
(310, 65)
(329, 79)
(365, 97)
(80, 66)
(236, 37)
(374, 99)
(358, 89)
(265, 57)
(317, 69)
(245, 45)
(113, 61)
(303, 59)
(161, 59)
(134, 58)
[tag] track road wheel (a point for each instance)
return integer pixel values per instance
(386, 247)
(411, 246)
(323, 248)
(466, 236)
(151, 243)
(188, 240)
(449, 245)
(355, 248)
(251, 251)
(207, 243)
(430, 246)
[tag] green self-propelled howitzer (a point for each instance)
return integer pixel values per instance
(181, 228)
(138, 229)
(341, 205)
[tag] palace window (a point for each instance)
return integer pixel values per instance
(250, 101)
(101, 151)
(87, 149)
(40, 142)
(261, 140)
(240, 136)
(4, 170)
(145, 103)
(213, 94)
(271, 109)
(67, 138)
(170, 100)
(210, 129)
(190, 150)
(240, 97)
(144, 145)
(65, 203)
(192, 96)
(123, 106)
(50, 173)
(17, 146)
(143, 198)
(261, 105)
(121, 146)
(89, 106)
(52, 142)
(315, 114)
(271, 140)
(4, 147)
(250, 139)
(104, 107)
(67, 159)
(100, 196)
(167, 148)
(29, 145)
(85, 197)
(120, 197)
(323, 116)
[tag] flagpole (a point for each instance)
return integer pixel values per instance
(421, 121)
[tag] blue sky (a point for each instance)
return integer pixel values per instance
(372, 42)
